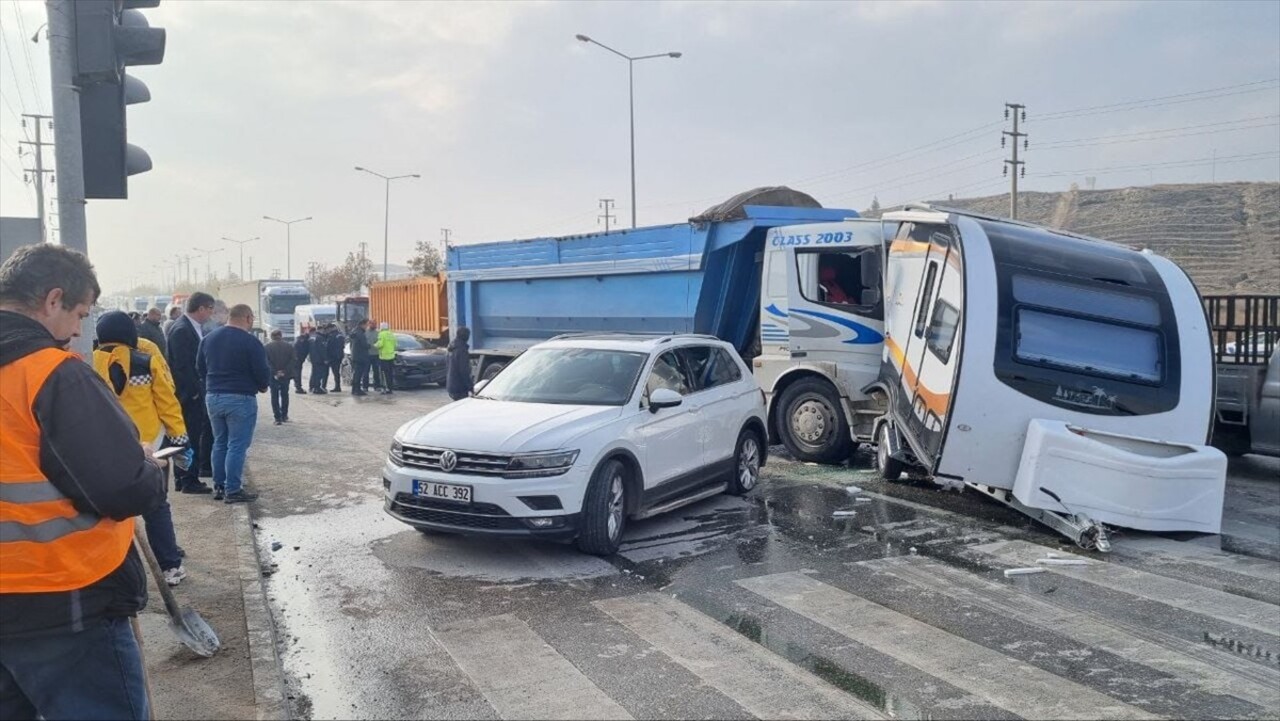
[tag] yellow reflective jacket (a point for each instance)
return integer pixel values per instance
(386, 345)
(141, 380)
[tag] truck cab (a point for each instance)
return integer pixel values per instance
(821, 334)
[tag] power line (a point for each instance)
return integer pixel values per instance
(1083, 142)
(871, 164)
(13, 67)
(1190, 162)
(930, 171)
(1157, 101)
(26, 51)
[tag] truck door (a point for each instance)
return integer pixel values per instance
(1265, 426)
(930, 346)
(834, 294)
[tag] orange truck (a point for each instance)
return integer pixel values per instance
(413, 305)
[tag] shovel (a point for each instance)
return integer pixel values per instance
(186, 624)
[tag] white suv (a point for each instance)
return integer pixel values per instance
(579, 434)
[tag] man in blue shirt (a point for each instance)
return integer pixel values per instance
(233, 365)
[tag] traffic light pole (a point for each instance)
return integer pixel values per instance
(68, 154)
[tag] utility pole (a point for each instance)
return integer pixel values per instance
(67, 152)
(241, 244)
(444, 236)
(1019, 166)
(250, 268)
(605, 204)
(39, 170)
(444, 246)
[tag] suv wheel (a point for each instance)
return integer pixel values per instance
(812, 422)
(604, 510)
(746, 467)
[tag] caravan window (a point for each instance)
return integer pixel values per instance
(1086, 345)
(926, 292)
(942, 330)
(845, 280)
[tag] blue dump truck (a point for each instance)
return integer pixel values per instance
(755, 271)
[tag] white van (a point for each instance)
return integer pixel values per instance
(310, 317)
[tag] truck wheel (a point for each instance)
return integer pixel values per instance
(492, 370)
(812, 422)
(890, 469)
(604, 510)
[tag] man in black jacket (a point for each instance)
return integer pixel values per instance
(183, 345)
(360, 359)
(337, 345)
(150, 328)
(73, 478)
(319, 357)
(301, 349)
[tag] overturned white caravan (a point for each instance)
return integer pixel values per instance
(1069, 377)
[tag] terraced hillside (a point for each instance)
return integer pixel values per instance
(1225, 235)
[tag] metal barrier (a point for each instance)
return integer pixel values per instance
(1245, 328)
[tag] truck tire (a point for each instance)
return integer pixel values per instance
(492, 370)
(604, 510)
(812, 424)
(889, 469)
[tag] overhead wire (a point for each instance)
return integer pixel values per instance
(26, 51)
(1191, 96)
(13, 67)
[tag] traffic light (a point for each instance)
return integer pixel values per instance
(111, 35)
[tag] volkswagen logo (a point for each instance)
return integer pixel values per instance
(448, 461)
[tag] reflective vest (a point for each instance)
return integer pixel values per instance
(46, 545)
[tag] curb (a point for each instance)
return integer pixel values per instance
(268, 675)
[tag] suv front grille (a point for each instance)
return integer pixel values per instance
(474, 515)
(469, 464)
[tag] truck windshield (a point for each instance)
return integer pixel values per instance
(286, 303)
(569, 376)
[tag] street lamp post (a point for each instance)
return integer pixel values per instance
(386, 210)
(241, 244)
(288, 240)
(631, 84)
(208, 261)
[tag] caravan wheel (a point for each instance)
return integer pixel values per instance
(890, 468)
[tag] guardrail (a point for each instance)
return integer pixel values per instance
(1245, 328)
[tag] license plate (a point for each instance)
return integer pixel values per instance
(442, 491)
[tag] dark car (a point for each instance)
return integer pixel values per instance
(418, 362)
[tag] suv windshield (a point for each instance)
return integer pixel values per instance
(404, 341)
(571, 376)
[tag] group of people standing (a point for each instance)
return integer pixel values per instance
(373, 355)
(77, 466)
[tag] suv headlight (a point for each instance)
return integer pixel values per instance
(397, 453)
(531, 465)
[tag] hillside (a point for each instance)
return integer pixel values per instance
(1225, 235)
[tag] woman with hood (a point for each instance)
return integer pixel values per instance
(458, 369)
(140, 377)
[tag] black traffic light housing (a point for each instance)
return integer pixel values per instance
(111, 35)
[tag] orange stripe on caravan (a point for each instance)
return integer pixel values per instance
(936, 402)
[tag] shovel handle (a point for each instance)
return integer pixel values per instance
(170, 603)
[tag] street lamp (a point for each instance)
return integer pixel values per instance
(288, 240)
(631, 82)
(241, 244)
(208, 261)
(386, 211)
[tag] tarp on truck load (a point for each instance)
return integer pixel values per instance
(735, 208)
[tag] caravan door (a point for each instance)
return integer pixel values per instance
(925, 280)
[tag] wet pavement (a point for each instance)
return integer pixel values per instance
(769, 606)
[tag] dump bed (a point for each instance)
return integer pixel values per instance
(412, 305)
(695, 277)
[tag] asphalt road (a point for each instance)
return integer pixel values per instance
(764, 607)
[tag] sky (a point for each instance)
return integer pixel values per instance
(518, 130)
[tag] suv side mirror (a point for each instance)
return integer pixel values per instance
(664, 398)
(475, 390)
